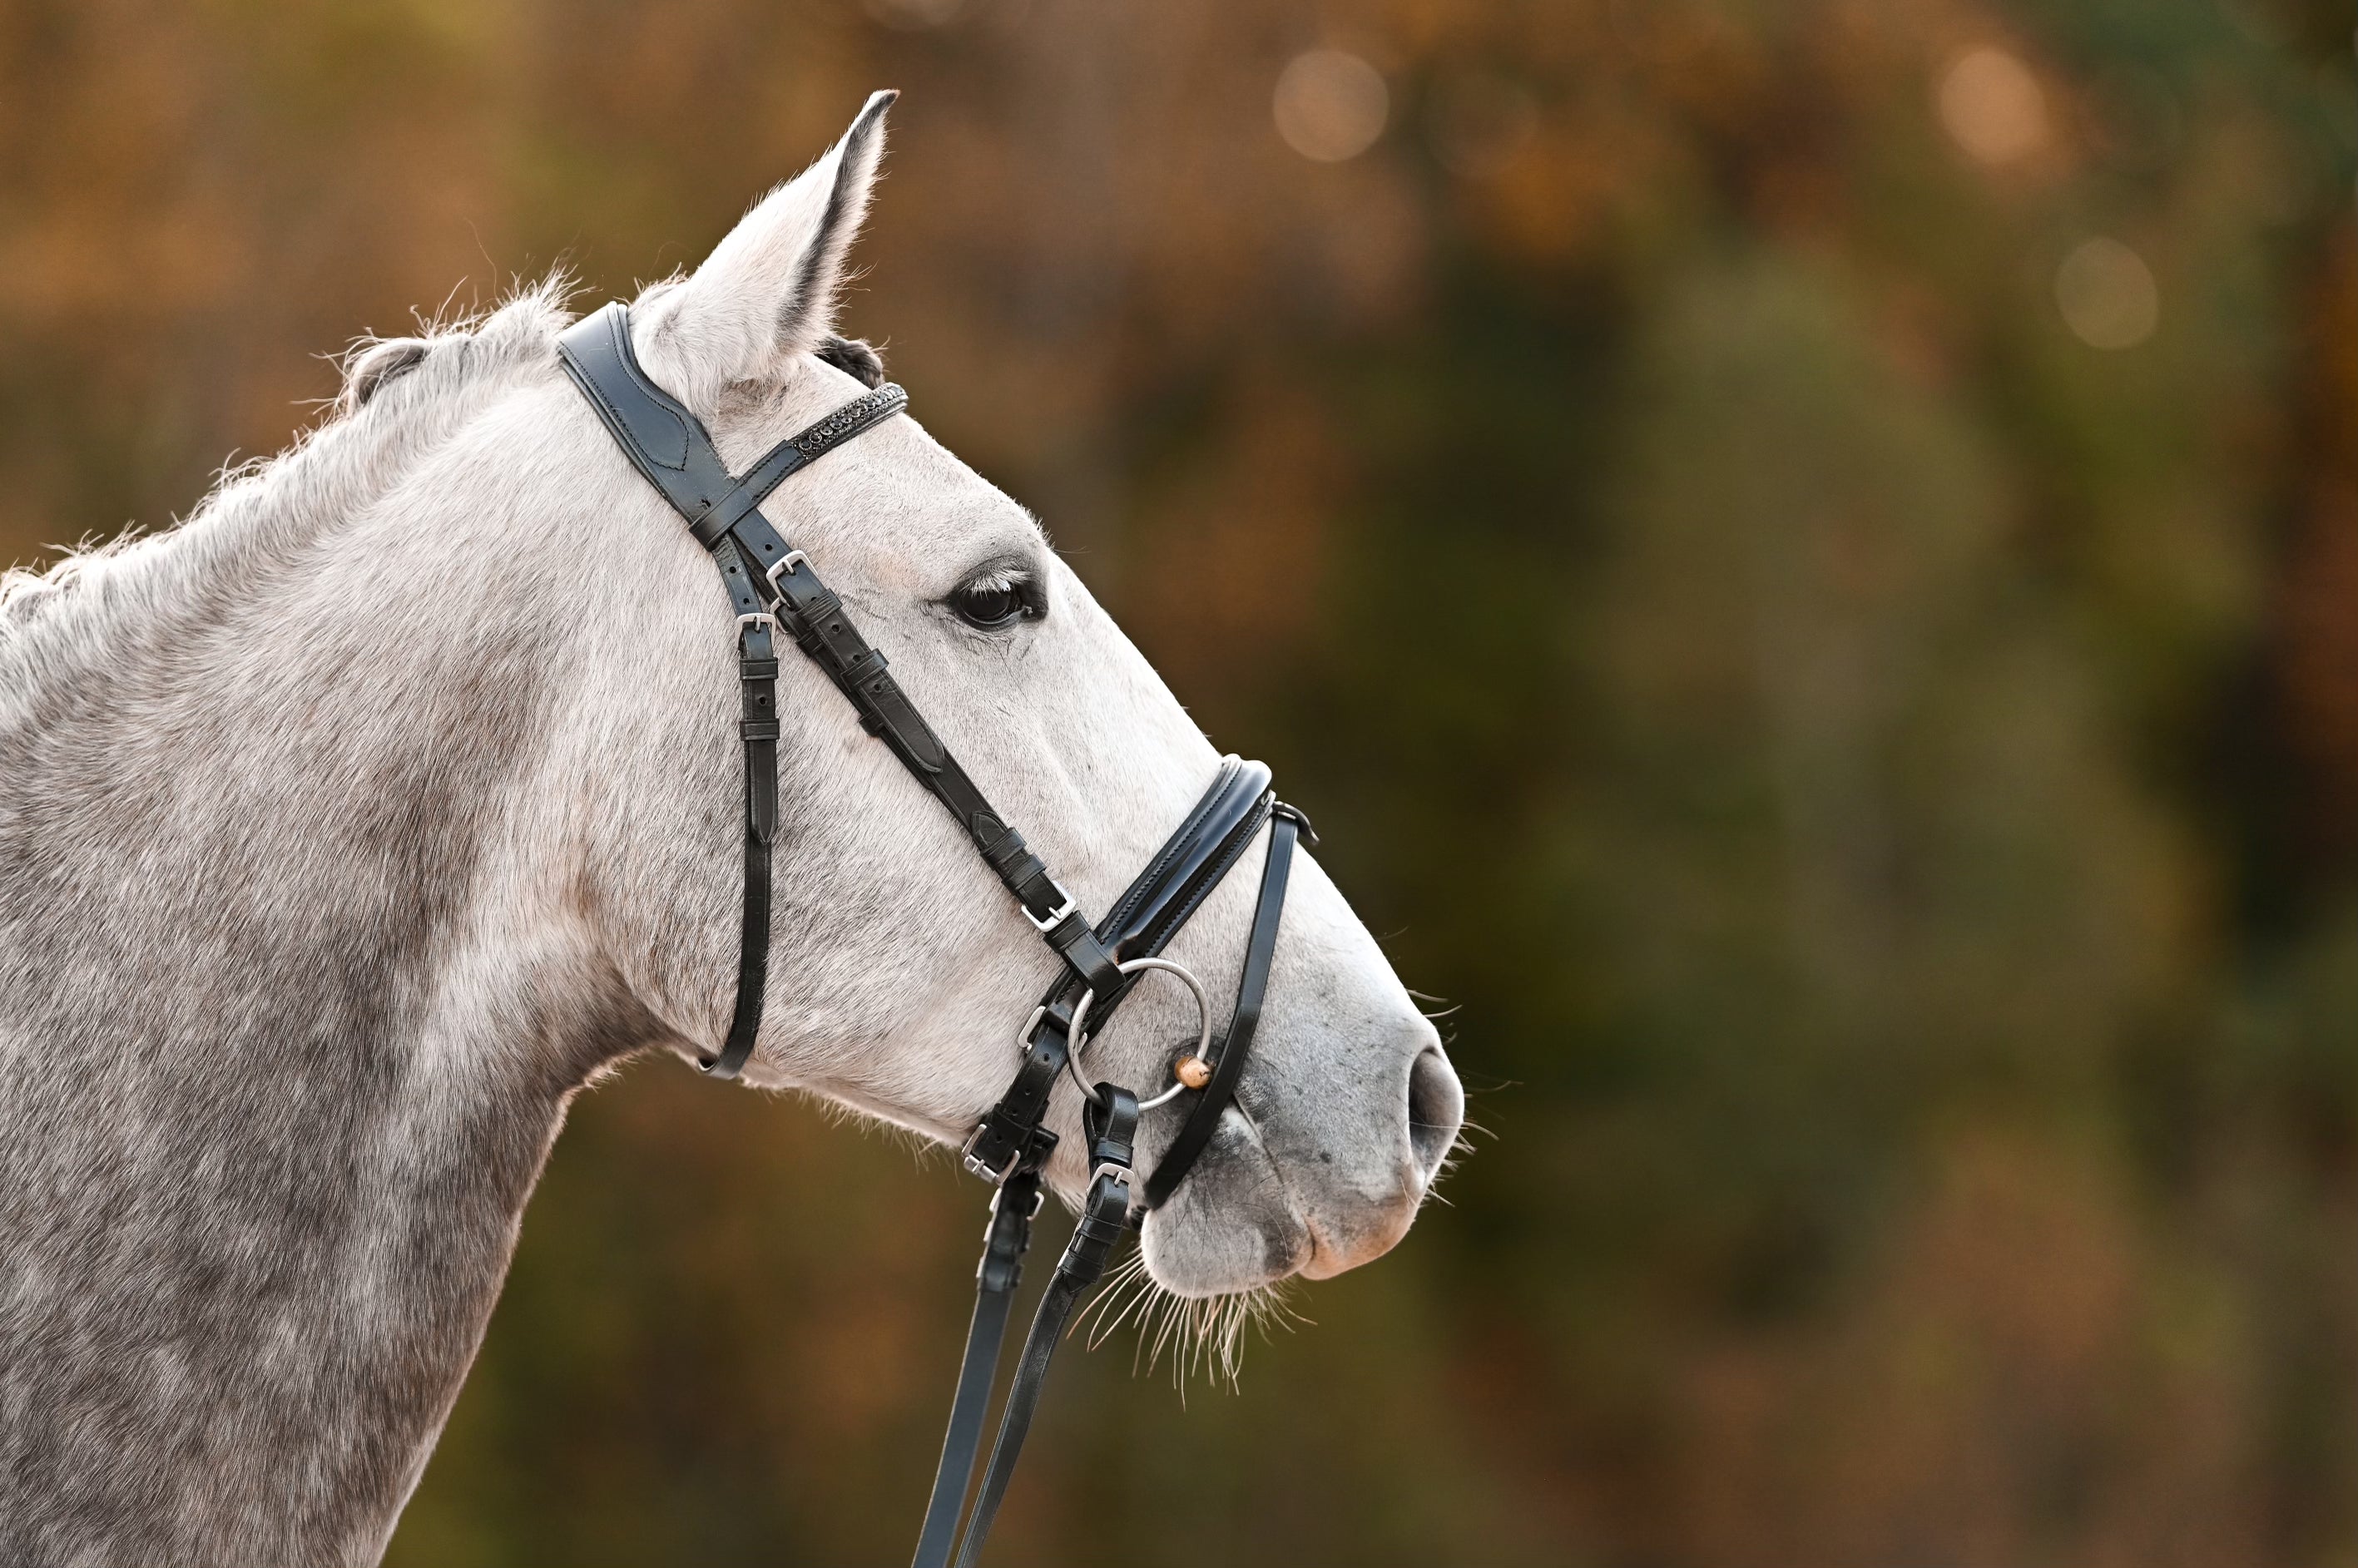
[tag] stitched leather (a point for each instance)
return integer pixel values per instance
(650, 425)
(1228, 1070)
(1111, 1123)
(670, 447)
(1174, 885)
(1005, 1240)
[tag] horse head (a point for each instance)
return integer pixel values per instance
(903, 971)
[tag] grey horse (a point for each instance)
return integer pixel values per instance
(350, 827)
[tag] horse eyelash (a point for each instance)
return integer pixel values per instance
(1010, 575)
(1006, 576)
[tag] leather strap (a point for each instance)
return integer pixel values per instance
(1286, 825)
(770, 586)
(792, 455)
(1111, 1123)
(1193, 861)
(757, 727)
(1013, 1207)
(1207, 844)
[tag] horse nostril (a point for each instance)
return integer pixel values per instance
(1437, 1104)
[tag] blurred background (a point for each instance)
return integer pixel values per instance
(1803, 554)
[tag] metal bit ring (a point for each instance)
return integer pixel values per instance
(1081, 1016)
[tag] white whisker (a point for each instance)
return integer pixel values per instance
(1200, 1331)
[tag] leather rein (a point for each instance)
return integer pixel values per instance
(774, 590)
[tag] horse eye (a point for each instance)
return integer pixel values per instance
(989, 606)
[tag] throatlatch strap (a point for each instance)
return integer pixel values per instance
(757, 727)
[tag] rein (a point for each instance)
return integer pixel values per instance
(773, 589)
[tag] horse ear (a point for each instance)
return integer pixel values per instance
(854, 357)
(374, 363)
(767, 291)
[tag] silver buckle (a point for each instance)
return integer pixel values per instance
(1056, 915)
(759, 618)
(1121, 1174)
(982, 1168)
(785, 563)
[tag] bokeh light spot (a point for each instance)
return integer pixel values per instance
(1330, 105)
(2107, 295)
(1992, 106)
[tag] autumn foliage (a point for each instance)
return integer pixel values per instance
(1803, 557)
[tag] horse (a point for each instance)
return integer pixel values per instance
(352, 826)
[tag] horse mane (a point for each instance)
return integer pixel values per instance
(395, 410)
(53, 618)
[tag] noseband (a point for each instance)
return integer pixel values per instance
(774, 588)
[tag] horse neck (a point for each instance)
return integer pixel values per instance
(292, 998)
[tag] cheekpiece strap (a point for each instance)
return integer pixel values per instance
(773, 588)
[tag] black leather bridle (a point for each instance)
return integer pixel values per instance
(772, 587)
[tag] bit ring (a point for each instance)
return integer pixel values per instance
(1081, 1017)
